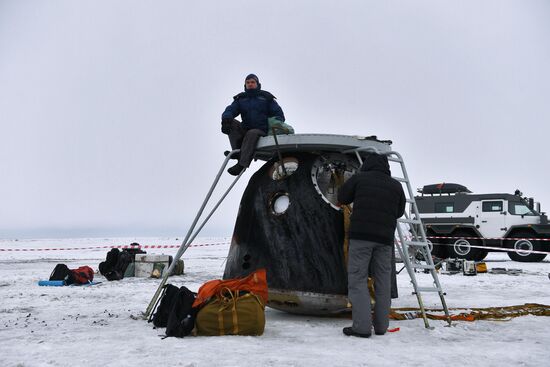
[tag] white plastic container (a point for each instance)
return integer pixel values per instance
(469, 268)
(145, 264)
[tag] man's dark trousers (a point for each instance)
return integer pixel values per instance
(245, 140)
(378, 256)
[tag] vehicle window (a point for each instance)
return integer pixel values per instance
(492, 206)
(444, 207)
(519, 209)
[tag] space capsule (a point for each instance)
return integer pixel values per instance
(289, 222)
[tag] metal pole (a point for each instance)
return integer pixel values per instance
(213, 210)
(281, 162)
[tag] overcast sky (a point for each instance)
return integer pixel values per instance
(110, 110)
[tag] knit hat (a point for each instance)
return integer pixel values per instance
(252, 76)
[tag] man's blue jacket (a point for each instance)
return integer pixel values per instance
(254, 106)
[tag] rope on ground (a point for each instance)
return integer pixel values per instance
(505, 313)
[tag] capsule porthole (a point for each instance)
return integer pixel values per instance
(280, 203)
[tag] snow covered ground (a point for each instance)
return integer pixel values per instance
(92, 326)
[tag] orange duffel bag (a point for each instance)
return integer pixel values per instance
(255, 283)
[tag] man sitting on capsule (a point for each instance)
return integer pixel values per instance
(255, 106)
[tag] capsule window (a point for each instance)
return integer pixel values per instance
(329, 172)
(280, 203)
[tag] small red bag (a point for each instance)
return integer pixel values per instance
(83, 275)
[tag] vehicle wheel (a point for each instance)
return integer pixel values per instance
(524, 244)
(461, 247)
(438, 246)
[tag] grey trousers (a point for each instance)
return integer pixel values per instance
(361, 254)
(245, 140)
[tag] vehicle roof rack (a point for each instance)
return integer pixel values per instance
(443, 188)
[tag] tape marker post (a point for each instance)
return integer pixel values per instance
(107, 247)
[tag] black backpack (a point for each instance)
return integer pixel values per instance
(124, 259)
(62, 272)
(115, 264)
(181, 319)
(108, 266)
(160, 317)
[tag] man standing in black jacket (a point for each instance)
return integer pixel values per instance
(378, 201)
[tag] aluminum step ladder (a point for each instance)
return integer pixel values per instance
(413, 247)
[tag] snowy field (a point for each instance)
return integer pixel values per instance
(92, 326)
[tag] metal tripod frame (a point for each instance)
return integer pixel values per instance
(190, 236)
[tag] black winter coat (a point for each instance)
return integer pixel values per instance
(378, 201)
(254, 106)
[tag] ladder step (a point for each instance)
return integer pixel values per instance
(392, 159)
(410, 201)
(400, 179)
(416, 243)
(410, 221)
(427, 289)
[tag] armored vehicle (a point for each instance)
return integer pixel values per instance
(465, 225)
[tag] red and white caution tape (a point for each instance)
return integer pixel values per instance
(507, 249)
(498, 248)
(489, 238)
(107, 247)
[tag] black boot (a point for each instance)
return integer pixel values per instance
(235, 170)
(349, 332)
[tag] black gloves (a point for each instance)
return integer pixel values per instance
(226, 125)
